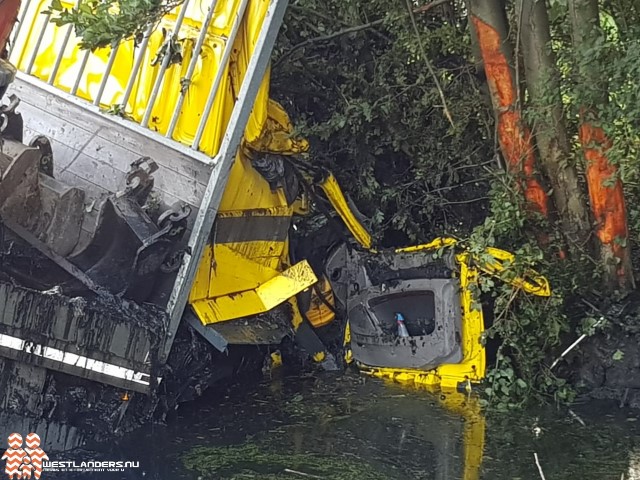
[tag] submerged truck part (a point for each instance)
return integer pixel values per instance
(101, 339)
(98, 336)
(374, 287)
(432, 292)
(432, 287)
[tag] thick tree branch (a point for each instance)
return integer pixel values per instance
(326, 38)
(429, 6)
(346, 31)
(432, 72)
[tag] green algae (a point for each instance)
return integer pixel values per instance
(253, 461)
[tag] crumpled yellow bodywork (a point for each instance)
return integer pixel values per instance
(472, 368)
(473, 365)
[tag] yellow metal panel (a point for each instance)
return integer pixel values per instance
(262, 299)
(319, 314)
(435, 244)
(225, 270)
(247, 189)
(291, 282)
(276, 135)
(200, 287)
(334, 193)
(296, 316)
(235, 273)
(245, 44)
(531, 282)
(243, 304)
(277, 211)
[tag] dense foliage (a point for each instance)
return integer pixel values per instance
(102, 23)
(374, 115)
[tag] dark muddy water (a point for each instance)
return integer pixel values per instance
(352, 427)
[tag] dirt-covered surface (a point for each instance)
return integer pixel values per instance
(40, 300)
(607, 364)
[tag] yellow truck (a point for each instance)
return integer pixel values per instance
(149, 223)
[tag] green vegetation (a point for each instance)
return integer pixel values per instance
(103, 23)
(251, 461)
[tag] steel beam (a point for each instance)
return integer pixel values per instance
(18, 27)
(83, 65)
(142, 50)
(209, 333)
(36, 49)
(220, 173)
(171, 37)
(106, 73)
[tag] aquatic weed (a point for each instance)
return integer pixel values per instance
(253, 461)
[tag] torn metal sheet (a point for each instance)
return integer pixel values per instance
(424, 289)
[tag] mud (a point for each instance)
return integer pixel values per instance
(380, 271)
(101, 326)
(607, 364)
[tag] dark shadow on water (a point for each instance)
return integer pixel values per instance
(353, 427)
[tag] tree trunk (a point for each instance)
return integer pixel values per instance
(605, 188)
(8, 16)
(490, 23)
(550, 132)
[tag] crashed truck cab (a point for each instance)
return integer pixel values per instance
(432, 287)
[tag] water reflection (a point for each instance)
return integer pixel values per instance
(344, 422)
(351, 427)
(633, 473)
(54, 436)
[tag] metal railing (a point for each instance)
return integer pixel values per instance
(35, 34)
